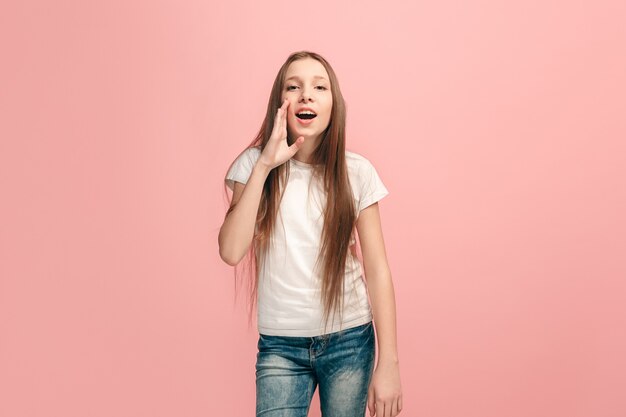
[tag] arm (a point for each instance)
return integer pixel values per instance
(385, 390)
(238, 228)
(379, 283)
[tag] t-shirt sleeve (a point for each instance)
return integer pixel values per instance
(372, 187)
(241, 169)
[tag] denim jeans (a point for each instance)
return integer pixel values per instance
(288, 369)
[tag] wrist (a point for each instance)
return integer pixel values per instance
(262, 168)
(388, 360)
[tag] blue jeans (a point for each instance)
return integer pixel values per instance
(288, 369)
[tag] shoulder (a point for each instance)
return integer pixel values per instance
(248, 156)
(241, 168)
(252, 152)
(357, 162)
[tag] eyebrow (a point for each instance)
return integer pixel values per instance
(298, 78)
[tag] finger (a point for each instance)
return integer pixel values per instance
(380, 409)
(276, 129)
(283, 112)
(370, 403)
(281, 109)
(400, 404)
(277, 118)
(393, 410)
(284, 118)
(283, 106)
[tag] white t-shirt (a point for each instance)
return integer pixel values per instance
(289, 292)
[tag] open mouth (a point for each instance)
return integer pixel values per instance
(306, 115)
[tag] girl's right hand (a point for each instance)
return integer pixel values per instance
(277, 151)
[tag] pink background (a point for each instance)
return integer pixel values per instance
(498, 128)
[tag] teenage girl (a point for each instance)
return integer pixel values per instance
(298, 196)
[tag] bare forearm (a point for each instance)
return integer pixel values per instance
(382, 296)
(238, 229)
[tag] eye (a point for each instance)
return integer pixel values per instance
(290, 87)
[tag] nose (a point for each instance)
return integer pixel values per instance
(305, 95)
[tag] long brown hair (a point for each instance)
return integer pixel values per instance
(329, 161)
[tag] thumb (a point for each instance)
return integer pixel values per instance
(295, 146)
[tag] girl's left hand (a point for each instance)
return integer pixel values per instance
(384, 396)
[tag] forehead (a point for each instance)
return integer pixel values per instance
(305, 69)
